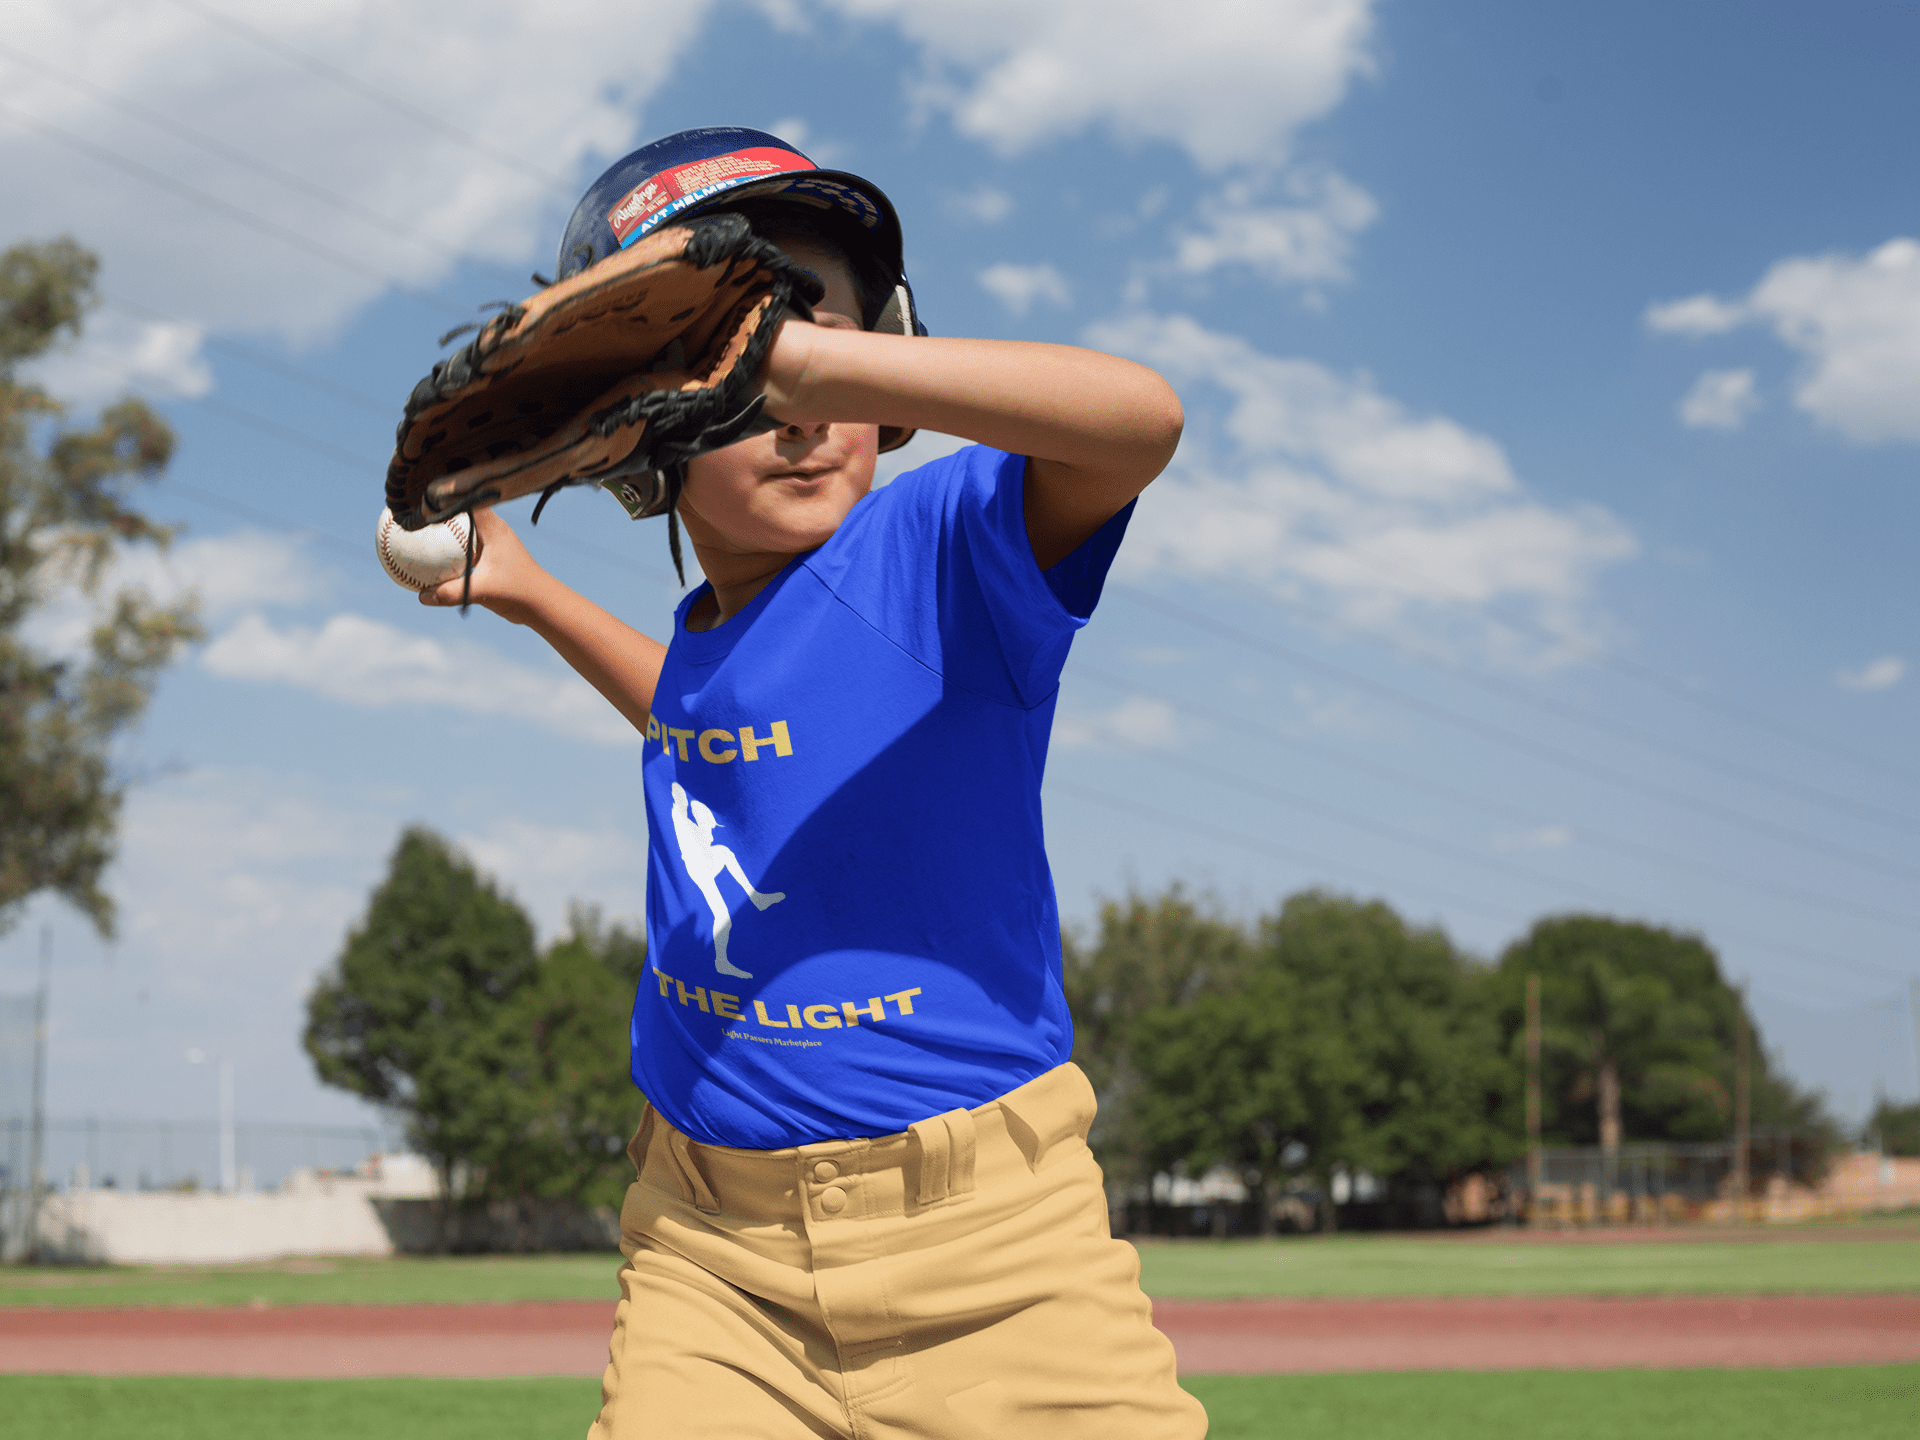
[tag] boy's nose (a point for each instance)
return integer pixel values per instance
(807, 430)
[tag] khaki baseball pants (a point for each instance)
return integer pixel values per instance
(953, 1282)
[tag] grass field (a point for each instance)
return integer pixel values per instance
(350, 1280)
(1335, 1265)
(1399, 1265)
(1869, 1403)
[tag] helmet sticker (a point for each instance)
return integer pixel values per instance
(641, 208)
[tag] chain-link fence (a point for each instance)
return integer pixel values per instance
(1659, 1182)
(180, 1154)
(17, 1017)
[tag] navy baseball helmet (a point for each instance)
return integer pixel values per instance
(706, 169)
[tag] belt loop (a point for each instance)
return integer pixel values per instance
(642, 1137)
(947, 1147)
(693, 1185)
(930, 1136)
(959, 1125)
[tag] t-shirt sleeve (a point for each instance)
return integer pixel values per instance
(940, 563)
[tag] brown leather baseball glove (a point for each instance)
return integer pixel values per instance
(627, 369)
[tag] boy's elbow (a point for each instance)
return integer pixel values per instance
(1162, 422)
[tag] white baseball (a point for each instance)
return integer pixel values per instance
(421, 559)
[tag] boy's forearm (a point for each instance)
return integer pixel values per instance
(609, 654)
(1097, 417)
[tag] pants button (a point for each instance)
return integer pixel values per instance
(833, 1200)
(825, 1170)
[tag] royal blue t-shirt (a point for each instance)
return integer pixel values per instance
(850, 921)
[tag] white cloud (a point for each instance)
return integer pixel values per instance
(547, 868)
(358, 661)
(982, 203)
(799, 134)
(1855, 321)
(1159, 654)
(241, 570)
(487, 175)
(1329, 488)
(1881, 674)
(1547, 837)
(1230, 81)
(225, 867)
(1140, 722)
(1307, 242)
(1018, 286)
(221, 868)
(117, 352)
(1696, 315)
(1720, 400)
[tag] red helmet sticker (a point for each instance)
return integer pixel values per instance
(656, 193)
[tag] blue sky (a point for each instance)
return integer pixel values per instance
(1539, 541)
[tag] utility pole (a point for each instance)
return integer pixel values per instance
(36, 1163)
(1742, 1104)
(229, 1182)
(1914, 984)
(1536, 1159)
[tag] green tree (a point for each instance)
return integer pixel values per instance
(584, 1106)
(424, 1012)
(1421, 1097)
(1336, 1038)
(1894, 1127)
(65, 512)
(1637, 1030)
(1639, 1034)
(1149, 953)
(1247, 1079)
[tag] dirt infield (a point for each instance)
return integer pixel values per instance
(1211, 1337)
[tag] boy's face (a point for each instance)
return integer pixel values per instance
(786, 491)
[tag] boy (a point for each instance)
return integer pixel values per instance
(865, 1206)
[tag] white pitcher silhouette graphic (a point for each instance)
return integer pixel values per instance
(693, 827)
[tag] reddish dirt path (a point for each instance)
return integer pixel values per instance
(1212, 1337)
(1540, 1333)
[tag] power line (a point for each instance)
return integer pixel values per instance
(1485, 805)
(1645, 674)
(304, 184)
(1508, 690)
(1318, 863)
(348, 81)
(358, 464)
(235, 213)
(1285, 852)
(254, 356)
(1242, 783)
(1456, 853)
(1213, 626)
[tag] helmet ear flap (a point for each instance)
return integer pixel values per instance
(897, 318)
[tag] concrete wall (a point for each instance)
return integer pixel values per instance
(132, 1227)
(388, 1207)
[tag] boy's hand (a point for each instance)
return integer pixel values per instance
(505, 577)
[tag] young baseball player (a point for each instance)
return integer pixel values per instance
(865, 1205)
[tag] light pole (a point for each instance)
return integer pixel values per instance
(36, 1166)
(228, 1181)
